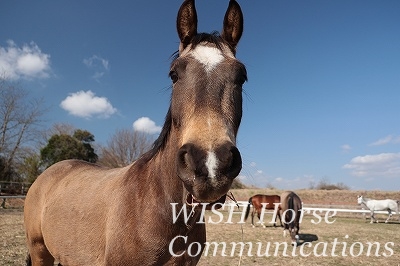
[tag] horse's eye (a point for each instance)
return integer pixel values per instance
(174, 76)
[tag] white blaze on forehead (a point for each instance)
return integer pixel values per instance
(210, 57)
(211, 164)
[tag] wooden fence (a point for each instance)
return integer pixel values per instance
(13, 188)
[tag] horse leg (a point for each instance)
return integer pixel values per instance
(275, 219)
(39, 256)
(373, 218)
(390, 215)
(278, 215)
(28, 260)
(398, 208)
(252, 218)
(285, 227)
(259, 215)
(280, 219)
(294, 237)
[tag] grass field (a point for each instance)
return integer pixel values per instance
(352, 235)
(347, 241)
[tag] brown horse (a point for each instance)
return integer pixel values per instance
(78, 213)
(268, 202)
(291, 213)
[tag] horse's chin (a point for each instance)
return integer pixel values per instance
(216, 204)
(206, 191)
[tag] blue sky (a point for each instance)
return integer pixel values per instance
(322, 100)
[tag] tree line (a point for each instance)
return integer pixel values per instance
(27, 149)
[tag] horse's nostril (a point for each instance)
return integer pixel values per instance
(182, 160)
(236, 163)
(230, 160)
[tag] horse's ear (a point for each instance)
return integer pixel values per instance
(233, 24)
(186, 23)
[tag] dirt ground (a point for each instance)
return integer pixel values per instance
(357, 241)
(12, 237)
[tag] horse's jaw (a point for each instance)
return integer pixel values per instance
(206, 190)
(217, 204)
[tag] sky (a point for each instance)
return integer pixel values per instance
(322, 101)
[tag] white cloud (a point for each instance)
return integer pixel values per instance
(25, 62)
(386, 140)
(378, 165)
(98, 64)
(87, 104)
(145, 124)
(346, 148)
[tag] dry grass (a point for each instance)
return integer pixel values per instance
(349, 230)
(12, 238)
(13, 249)
(326, 197)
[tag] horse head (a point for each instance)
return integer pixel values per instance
(360, 199)
(206, 104)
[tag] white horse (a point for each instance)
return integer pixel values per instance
(379, 205)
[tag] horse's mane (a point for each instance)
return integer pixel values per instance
(367, 199)
(160, 142)
(214, 38)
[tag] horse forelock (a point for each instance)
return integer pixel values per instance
(213, 38)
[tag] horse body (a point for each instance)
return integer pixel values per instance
(269, 202)
(81, 214)
(380, 205)
(104, 227)
(291, 212)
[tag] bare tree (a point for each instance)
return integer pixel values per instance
(124, 147)
(27, 164)
(56, 129)
(20, 117)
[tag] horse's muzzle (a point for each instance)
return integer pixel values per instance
(208, 175)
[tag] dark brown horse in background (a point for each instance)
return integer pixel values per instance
(81, 214)
(269, 202)
(291, 213)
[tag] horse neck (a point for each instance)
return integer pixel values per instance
(160, 173)
(365, 202)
